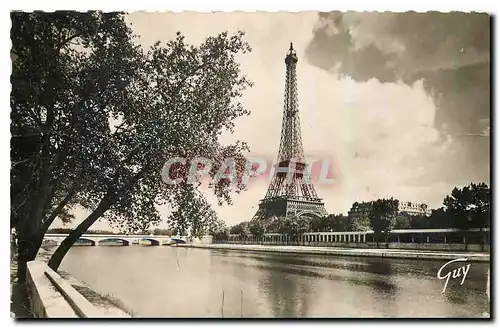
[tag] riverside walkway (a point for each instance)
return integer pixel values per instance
(337, 251)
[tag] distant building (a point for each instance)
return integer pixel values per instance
(363, 209)
(360, 209)
(414, 208)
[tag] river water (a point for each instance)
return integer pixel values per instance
(183, 282)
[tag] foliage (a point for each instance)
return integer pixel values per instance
(272, 224)
(439, 219)
(219, 230)
(382, 216)
(385, 217)
(101, 116)
(294, 225)
(319, 223)
(421, 221)
(337, 222)
(193, 214)
(60, 230)
(162, 232)
(402, 221)
(360, 223)
(469, 207)
(66, 63)
(242, 229)
(257, 228)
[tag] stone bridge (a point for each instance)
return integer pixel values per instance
(126, 240)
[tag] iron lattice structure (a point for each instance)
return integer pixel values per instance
(291, 192)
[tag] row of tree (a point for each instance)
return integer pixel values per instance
(464, 208)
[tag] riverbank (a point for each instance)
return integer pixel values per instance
(107, 304)
(336, 251)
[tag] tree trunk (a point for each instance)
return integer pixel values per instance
(483, 238)
(104, 205)
(30, 242)
(58, 256)
(26, 252)
(43, 185)
(22, 260)
(29, 239)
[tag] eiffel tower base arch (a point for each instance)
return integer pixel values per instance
(284, 207)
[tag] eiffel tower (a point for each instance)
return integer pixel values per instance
(291, 193)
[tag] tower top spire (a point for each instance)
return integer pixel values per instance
(291, 56)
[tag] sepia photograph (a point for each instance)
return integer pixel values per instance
(250, 164)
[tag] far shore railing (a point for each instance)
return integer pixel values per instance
(408, 236)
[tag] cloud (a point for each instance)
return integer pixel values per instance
(380, 135)
(406, 44)
(448, 52)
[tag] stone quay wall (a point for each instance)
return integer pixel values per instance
(52, 296)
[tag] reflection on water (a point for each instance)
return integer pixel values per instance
(183, 282)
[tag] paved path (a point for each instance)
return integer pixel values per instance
(369, 252)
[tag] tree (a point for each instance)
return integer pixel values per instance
(257, 228)
(162, 232)
(382, 217)
(59, 230)
(104, 118)
(221, 234)
(402, 221)
(469, 207)
(358, 217)
(242, 229)
(192, 213)
(319, 223)
(218, 230)
(272, 223)
(66, 64)
(419, 222)
(294, 225)
(440, 219)
(359, 223)
(237, 229)
(194, 102)
(480, 205)
(338, 222)
(205, 218)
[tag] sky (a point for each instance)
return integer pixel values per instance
(399, 104)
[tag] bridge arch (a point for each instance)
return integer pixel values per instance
(79, 240)
(309, 213)
(178, 240)
(125, 242)
(153, 241)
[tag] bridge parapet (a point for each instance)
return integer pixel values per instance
(155, 240)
